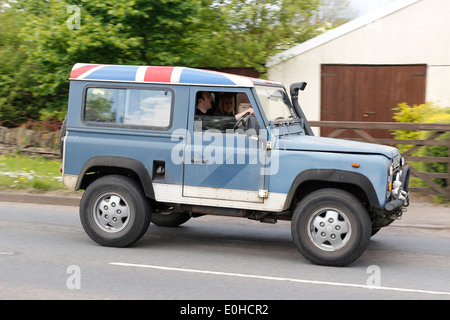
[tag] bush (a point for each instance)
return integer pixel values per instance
(424, 113)
(415, 114)
(436, 151)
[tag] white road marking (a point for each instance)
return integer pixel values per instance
(328, 283)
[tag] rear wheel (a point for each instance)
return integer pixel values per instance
(114, 211)
(331, 227)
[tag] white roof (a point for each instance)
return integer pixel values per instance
(340, 31)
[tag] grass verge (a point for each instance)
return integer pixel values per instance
(33, 174)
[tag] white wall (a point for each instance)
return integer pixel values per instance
(416, 34)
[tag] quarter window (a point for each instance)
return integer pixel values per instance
(129, 107)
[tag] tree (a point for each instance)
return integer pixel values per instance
(42, 40)
(336, 12)
(245, 33)
(15, 96)
(113, 32)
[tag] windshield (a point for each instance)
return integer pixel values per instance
(275, 103)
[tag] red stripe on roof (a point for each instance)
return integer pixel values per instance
(158, 74)
(81, 70)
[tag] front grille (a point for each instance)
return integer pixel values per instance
(396, 163)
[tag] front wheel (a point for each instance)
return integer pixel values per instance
(331, 227)
(114, 211)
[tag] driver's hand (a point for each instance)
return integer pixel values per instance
(243, 113)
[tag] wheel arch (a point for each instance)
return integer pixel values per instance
(315, 179)
(100, 166)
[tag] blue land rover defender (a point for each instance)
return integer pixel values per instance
(167, 144)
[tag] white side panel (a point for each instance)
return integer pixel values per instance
(222, 194)
(237, 199)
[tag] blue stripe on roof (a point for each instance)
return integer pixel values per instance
(195, 76)
(124, 73)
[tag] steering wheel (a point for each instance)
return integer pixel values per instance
(240, 120)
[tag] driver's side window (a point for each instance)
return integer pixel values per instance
(221, 111)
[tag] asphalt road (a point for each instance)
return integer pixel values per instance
(45, 254)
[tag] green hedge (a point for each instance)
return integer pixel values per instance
(424, 113)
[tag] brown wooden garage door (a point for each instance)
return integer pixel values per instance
(369, 92)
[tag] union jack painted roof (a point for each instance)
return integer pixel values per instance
(158, 74)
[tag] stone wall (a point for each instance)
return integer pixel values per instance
(29, 142)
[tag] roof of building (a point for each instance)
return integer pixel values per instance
(340, 31)
(160, 74)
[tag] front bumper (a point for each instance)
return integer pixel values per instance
(400, 191)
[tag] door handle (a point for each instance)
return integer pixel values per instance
(199, 161)
(369, 113)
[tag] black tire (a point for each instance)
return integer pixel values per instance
(114, 211)
(170, 219)
(331, 227)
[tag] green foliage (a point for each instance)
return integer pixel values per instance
(416, 114)
(40, 41)
(436, 151)
(39, 46)
(424, 113)
(246, 33)
(16, 103)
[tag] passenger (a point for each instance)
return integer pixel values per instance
(204, 101)
(226, 105)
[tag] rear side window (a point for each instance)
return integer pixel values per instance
(128, 107)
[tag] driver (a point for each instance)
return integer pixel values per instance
(244, 109)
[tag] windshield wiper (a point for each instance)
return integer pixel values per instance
(293, 119)
(289, 120)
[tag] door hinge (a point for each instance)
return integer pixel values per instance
(263, 194)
